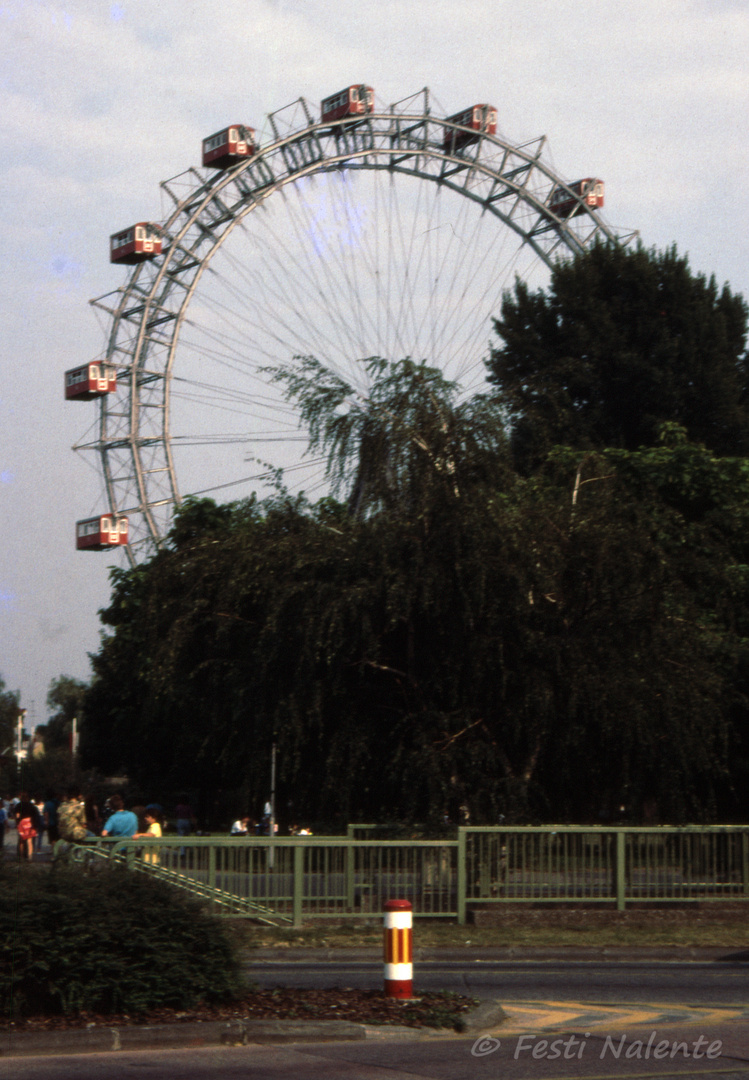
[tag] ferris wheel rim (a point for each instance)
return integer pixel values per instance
(204, 216)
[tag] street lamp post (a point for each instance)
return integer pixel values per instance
(19, 734)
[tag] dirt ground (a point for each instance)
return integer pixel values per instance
(436, 1010)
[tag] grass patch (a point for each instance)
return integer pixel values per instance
(726, 927)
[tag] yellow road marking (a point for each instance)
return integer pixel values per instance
(554, 1015)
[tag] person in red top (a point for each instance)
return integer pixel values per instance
(28, 825)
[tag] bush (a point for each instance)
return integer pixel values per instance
(113, 941)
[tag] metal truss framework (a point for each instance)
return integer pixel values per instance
(510, 182)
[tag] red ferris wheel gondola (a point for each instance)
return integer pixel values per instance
(586, 194)
(228, 146)
(136, 244)
(99, 533)
(90, 381)
(481, 119)
(354, 101)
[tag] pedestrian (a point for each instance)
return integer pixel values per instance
(51, 807)
(3, 820)
(39, 838)
(154, 822)
(93, 817)
(28, 824)
(140, 812)
(185, 817)
(71, 818)
(121, 822)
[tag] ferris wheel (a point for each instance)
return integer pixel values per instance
(369, 231)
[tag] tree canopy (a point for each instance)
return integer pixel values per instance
(448, 632)
(64, 704)
(8, 717)
(622, 341)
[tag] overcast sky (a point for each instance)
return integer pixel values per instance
(100, 101)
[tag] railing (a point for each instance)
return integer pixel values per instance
(291, 879)
(597, 865)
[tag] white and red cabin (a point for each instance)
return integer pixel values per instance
(229, 146)
(90, 381)
(99, 533)
(587, 193)
(136, 244)
(481, 119)
(353, 101)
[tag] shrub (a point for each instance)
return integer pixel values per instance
(113, 941)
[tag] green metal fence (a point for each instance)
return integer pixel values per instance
(295, 878)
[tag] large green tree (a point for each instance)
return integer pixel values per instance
(452, 635)
(65, 698)
(621, 341)
(8, 717)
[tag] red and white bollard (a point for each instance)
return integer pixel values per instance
(398, 942)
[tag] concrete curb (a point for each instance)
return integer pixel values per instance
(101, 1039)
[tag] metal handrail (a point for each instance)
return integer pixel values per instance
(289, 879)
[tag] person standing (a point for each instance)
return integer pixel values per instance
(28, 824)
(121, 823)
(184, 816)
(71, 818)
(153, 832)
(93, 817)
(51, 806)
(39, 838)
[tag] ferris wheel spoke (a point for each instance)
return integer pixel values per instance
(322, 329)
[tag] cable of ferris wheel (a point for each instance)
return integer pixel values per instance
(270, 314)
(313, 463)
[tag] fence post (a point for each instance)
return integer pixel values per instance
(462, 876)
(350, 878)
(298, 884)
(212, 866)
(621, 869)
(745, 861)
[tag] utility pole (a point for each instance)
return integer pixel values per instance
(272, 820)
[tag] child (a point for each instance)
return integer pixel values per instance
(153, 821)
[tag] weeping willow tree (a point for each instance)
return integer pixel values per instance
(410, 441)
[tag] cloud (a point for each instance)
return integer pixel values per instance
(99, 102)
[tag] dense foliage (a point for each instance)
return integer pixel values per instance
(9, 704)
(622, 341)
(456, 634)
(8, 718)
(114, 941)
(64, 704)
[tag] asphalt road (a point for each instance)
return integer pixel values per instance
(457, 1058)
(673, 982)
(550, 1045)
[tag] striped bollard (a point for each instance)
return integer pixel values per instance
(398, 943)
